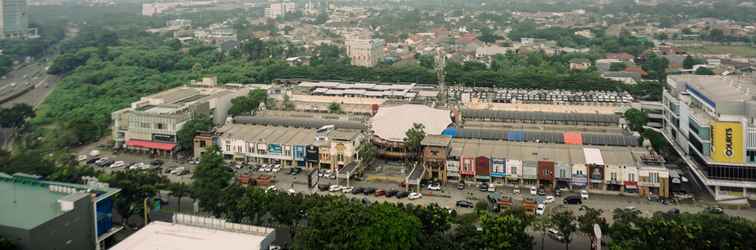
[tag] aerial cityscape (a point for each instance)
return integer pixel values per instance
(377, 124)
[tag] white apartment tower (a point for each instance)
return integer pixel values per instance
(276, 10)
(365, 52)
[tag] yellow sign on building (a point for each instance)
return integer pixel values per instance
(727, 140)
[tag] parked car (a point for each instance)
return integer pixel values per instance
(434, 187)
(156, 162)
(572, 199)
(555, 234)
(584, 194)
(533, 191)
(461, 186)
(483, 187)
(334, 188)
(93, 160)
(368, 191)
(347, 190)
(516, 191)
(380, 192)
(271, 189)
(292, 191)
(357, 190)
(713, 210)
(465, 203)
(540, 209)
(391, 193)
(323, 187)
(541, 192)
(414, 196)
(276, 168)
(558, 193)
(549, 199)
(402, 194)
(297, 171)
(118, 164)
(491, 188)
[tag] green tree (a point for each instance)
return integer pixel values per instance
(689, 62)
(656, 66)
(617, 66)
(426, 61)
(287, 104)
(541, 224)
(210, 176)
(636, 119)
(588, 218)
(505, 231)
(245, 104)
(185, 135)
(335, 108)
(136, 186)
(366, 152)
(704, 71)
(6, 244)
(564, 221)
(414, 137)
(16, 115)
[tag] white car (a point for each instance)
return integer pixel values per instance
(292, 191)
(584, 194)
(347, 189)
(271, 189)
(554, 233)
(549, 199)
(94, 153)
(533, 191)
(276, 168)
(335, 188)
(118, 164)
(540, 209)
(82, 158)
(435, 187)
(414, 196)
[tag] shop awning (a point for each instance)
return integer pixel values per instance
(631, 185)
(151, 145)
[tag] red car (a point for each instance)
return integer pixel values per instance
(380, 192)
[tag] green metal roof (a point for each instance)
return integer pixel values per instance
(26, 203)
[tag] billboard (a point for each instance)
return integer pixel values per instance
(727, 140)
(498, 168)
(299, 152)
(312, 153)
(274, 149)
(482, 166)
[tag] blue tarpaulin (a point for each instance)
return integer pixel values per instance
(450, 132)
(515, 136)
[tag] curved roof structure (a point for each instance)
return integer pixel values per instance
(391, 123)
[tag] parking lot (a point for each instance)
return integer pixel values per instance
(174, 170)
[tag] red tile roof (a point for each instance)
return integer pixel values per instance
(636, 69)
(620, 56)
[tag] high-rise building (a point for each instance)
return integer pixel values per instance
(711, 123)
(365, 52)
(14, 20)
(276, 10)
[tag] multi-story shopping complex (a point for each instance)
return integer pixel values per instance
(150, 124)
(710, 122)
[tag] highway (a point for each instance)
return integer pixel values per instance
(31, 78)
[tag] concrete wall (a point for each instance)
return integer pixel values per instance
(18, 236)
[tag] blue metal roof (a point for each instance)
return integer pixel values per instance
(515, 136)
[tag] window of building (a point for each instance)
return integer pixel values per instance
(340, 157)
(751, 155)
(514, 170)
(613, 176)
(562, 173)
(653, 177)
(579, 172)
(631, 177)
(160, 126)
(203, 144)
(228, 147)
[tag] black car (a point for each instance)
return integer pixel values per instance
(323, 187)
(464, 203)
(368, 191)
(402, 194)
(391, 193)
(93, 160)
(572, 199)
(541, 192)
(461, 186)
(357, 190)
(156, 162)
(483, 187)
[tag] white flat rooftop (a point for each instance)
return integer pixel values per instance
(168, 236)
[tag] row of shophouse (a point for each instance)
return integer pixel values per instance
(551, 166)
